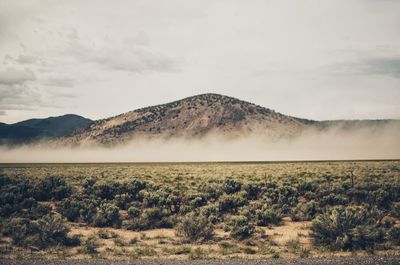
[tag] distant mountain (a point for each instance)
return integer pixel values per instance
(356, 124)
(192, 117)
(35, 129)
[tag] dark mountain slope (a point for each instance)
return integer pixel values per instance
(34, 129)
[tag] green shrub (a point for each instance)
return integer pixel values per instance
(123, 200)
(70, 209)
(210, 211)
(47, 231)
(333, 199)
(395, 209)
(253, 190)
(107, 215)
(241, 227)
(394, 235)
(305, 211)
(197, 201)
(229, 203)
(36, 211)
(195, 227)
(21, 231)
(52, 187)
(266, 216)
(231, 186)
(88, 209)
(366, 236)
(134, 212)
(349, 228)
(15, 195)
(52, 229)
(151, 218)
(211, 190)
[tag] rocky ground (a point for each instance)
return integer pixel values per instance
(368, 260)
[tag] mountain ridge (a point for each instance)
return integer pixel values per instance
(35, 129)
(191, 117)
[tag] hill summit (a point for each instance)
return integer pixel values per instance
(194, 116)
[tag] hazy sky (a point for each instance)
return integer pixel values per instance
(314, 59)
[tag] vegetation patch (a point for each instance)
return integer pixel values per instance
(200, 211)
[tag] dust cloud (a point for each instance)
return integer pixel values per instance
(332, 144)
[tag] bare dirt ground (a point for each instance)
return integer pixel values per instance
(367, 260)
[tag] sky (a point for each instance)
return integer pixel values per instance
(319, 59)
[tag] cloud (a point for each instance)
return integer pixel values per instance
(27, 59)
(59, 82)
(131, 54)
(21, 59)
(16, 90)
(136, 60)
(12, 76)
(383, 66)
(371, 66)
(19, 97)
(61, 94)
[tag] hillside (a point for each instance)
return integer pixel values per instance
(192, 117)
(34, 129)
(195, 116)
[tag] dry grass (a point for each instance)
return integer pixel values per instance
(289, 230)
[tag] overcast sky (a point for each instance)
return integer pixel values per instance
(337, 59)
